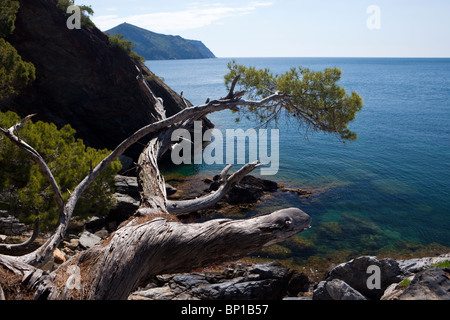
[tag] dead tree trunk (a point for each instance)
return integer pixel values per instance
(149, 243)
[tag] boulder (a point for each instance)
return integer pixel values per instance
(88, 240)
(11, 226)
(268, 281)
(298, 282)
(336, 290)
(170, 190)
(354, 273)
(126, 185)
(124, 207)
(419, 264)
(59, 256)
(95, 223)
(430, 284)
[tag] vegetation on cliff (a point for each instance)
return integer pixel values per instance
(118, 40)
(86, 11)
(15, 73)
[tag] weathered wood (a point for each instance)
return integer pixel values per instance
(143, 246)
(138, 252)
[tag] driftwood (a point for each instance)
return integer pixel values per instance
(149, 243)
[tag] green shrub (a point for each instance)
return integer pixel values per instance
(443, 264)
(86, 11)
(15, 74)
(126, 45)
(8, 10)
(406, 282)
(24, 190)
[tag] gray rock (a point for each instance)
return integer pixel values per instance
(417, 265)
(162, 293)
(354, 273)
(268, 281)
(297, 298)
(170, 190)
(299, 282)
(126, 162)
(10, 225)
(430, 284)
(336, 290)
(126, 185)
(95, 223)
(88, 240)
(124, 207)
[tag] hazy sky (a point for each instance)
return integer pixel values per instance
(292, 28)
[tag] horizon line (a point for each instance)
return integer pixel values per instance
(298, 57)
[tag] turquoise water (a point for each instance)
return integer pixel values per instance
(390, 188)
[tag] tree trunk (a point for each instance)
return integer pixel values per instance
(151, 242)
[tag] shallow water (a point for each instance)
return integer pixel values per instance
(390, 189)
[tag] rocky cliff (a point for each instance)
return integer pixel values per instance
(81, 79)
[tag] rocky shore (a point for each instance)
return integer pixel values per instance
(411, 279)
(415, 279)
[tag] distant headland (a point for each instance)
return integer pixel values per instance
(156, 46)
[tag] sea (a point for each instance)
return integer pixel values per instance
(387, 191)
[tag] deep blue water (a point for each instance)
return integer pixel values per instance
(390, 188)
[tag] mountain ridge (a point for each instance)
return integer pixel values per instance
(157, 46)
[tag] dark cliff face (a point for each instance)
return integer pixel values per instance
(81, 79)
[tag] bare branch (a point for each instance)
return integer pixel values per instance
(2, 295)
(175, 120)
(233, 85)
(38, 257)
(11, 134)
(15, 247)
(223, 175)
(187, 206)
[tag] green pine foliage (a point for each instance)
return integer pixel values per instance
(86, 11)
(118, 40)
(312, 97)
(24, 190)
(15, 74)
(8, 10)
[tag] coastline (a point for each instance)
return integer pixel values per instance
(297, 253)
(271, 268)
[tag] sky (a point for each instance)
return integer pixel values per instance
(292, 28)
